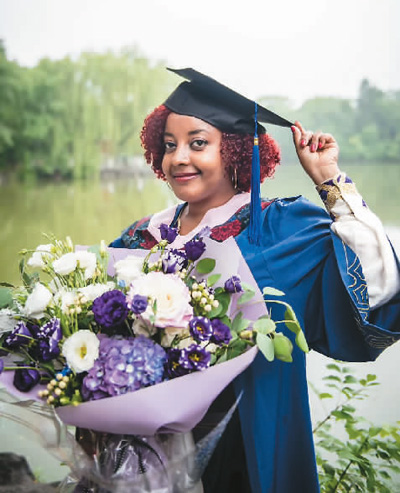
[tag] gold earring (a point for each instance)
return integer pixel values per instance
(234, 178)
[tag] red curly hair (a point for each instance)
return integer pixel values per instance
(236, 150)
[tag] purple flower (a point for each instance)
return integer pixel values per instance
(25, 379)
(168, 233)
(138, 304)
(1, 366)
(110, 309)
(48, 338)
(195, 358)
(173, 366)
(194, 249)
(221, 332)
(124, 365)
(173, 261)
(20, 336)
(200, 328)
(233, 285)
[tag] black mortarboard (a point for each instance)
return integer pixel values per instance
(205, 98)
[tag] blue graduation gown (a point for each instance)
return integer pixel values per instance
(323, 281)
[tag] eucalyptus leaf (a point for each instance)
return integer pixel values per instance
(283, 348)
(205, 266)
(302, 342)
(266, 345)
(267, 291)
(264, 325)
(239, 323)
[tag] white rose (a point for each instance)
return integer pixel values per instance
(88, 262)
(142, 324)
(94, 291)
(81, 350)
(7, 320)
(65, 264)
(36, 261)
(172, 296)
(37, 301)
(129, 269)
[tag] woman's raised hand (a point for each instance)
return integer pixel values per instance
(318, 153)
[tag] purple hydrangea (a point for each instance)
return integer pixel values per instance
(200, 329)
(138, 304)
(195, 358)
(233, 285)
(194, 249)
(25, 379)
(168, 233)
(20, 336)
(221, 332)
(124, 365)
(110, 309)
(173, 261)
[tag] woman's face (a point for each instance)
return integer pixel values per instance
(192, 162)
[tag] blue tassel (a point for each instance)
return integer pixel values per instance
(255, 202)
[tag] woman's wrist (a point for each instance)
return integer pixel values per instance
(324, 174)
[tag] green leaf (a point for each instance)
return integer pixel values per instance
(334, 367)
(224, 300)
(5, 297)
(267, 291)
(291, 321)
(266, 346)
(301, 342)
(246, 296)
(239, 323)
(283, 348)
(325, 395)
(264, 325)
(205, 266)
(211, 280)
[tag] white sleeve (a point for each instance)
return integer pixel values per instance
(363, 232)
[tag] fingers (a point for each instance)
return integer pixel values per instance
(306, 138)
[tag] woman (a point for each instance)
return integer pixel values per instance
(200, 141)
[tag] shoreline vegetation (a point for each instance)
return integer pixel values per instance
(80, 118)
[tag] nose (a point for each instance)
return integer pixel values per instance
(181, 155)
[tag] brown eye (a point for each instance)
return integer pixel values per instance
(199, 144)
(169, 146)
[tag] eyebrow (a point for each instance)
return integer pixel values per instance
(192, 132)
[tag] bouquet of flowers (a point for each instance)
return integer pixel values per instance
(97, 333)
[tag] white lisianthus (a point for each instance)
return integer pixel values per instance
(88, 262)
(81, 350)
(172, 297)
(66, 299)
(7, 320)
(37, 301)
(129, 269)
(94, 291)
(65, 264)
(41, 252)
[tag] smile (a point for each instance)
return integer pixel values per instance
(183, 177)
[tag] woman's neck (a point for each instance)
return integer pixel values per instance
(192, 214)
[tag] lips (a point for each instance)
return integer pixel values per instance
(182, 177)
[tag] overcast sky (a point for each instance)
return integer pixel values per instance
(298, 49)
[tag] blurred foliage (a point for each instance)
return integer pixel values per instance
(64, 118)
(352, 453)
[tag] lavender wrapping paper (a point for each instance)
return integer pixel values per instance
(176, 405)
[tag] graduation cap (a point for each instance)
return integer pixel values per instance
(205, 98)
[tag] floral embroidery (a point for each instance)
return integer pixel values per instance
(138, 236)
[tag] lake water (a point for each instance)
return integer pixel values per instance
(89, 212)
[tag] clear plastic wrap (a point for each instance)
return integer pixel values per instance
(104, 462)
